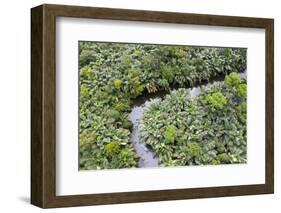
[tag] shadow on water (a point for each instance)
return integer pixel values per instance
(147, 157)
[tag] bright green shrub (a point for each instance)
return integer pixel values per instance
(112, 148)
(242, 90)
(86, 72)
(170, 134)
(232, 80)
(84, 92)
(117, 83)
(217, 100)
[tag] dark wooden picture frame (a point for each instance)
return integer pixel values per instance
(43, 105)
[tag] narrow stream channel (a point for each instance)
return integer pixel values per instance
(146, 154)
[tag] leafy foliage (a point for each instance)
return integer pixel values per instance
(112, 148)
(207, 129)
(170, 134)
(232, 80)
(117, 83)
(217, 100)
(242, 90)
(112, 75)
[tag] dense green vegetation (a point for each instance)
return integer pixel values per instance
(112, 75)
(207, 129)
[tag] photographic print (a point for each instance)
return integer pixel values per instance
(156, 101)
(155, 105)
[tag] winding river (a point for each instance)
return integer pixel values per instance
(147, 157)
